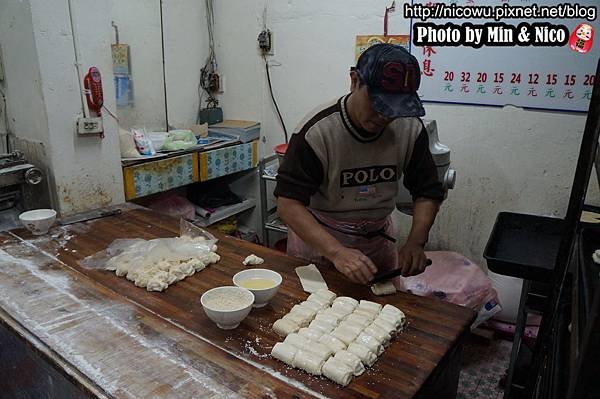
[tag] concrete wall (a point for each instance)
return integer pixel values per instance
(139, 27)
(44, 100)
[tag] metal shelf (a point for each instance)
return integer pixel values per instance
(225, 212)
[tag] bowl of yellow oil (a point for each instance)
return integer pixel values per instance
(263, 283)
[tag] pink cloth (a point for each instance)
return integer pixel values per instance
(380, 250)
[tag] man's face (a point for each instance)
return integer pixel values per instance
(367, 118)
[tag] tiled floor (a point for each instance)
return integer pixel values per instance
(484, 363)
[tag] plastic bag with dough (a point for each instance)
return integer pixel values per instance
(285, 327)
(299, 319)
(345, 334)
(332, 343)
(367, 357)
(337, 371)
(384, 288)
(370, 342)
(318, 299)
(312, 334)
(253, 260)
(351, 361)
(357, 328)
(346, 299)
(358, 319)
(322, 326)
(379, 333)
(367, 314)
(284, 352)
(301, 342)
(311, 305)
(369, 306)
(326, 294)
(303, 311)
(309, 362)
(384, 325)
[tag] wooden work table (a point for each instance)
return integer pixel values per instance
(112, 339)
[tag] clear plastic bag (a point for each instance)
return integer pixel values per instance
(193, 243)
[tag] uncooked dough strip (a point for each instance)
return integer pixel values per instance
(284, 327)
(351, 360)
(311, 278)
(332, 343)
(364, 354)
(337, 371)
(384, 288)
(370, 342)
(309, 362)
(284, 352)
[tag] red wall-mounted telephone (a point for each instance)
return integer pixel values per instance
(93, 93)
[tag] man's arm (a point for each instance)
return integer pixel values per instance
(355, 265)
(411, 257)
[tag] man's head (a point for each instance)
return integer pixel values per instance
(385, 80)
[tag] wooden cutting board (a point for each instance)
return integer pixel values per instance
(236, 360)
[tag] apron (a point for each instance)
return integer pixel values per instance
(374, 238)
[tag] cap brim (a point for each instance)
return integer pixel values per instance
(396, 105)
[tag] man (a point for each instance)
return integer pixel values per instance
(337, 185)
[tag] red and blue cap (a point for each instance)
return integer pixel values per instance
(392, 76)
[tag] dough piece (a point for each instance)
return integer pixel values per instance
(312, 306)
(357, 328)
(358, 319)
(370, 306)
(341, 311)
(395, 321)
(384, 288)
(306, 345)
(346, 299)
(318, 299)
(284, 352)
(328, 317)
(299, 319)
(370, 316)
(367, 357)
(394, 312)
(303, 311)
(309, 362)
(313, 334)
(385, 325)
(351, 361)
(345, 307)
(596, 256)
(332, 343)
(337, 371)
(378, 333)
(253, 260)
(157, 284)
(322, 326)
(310, 278)
(345, 334)
(284, 327)
(370, 342)
(326, 294)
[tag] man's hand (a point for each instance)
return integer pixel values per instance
(355, 265)
(411, 259)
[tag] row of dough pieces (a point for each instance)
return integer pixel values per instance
(354, 332)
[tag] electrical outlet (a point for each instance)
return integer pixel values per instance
(265, 42)
(90, 126)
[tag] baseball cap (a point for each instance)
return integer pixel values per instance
(392, 76)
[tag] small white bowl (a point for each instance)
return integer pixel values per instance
(38, 221)
(262, 296)
(237, 303)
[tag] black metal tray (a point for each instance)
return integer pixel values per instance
(524, 246)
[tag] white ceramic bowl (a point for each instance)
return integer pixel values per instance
(227, 306)
(263, 296)
(38, 221)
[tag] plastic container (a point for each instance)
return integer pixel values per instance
(524, 246)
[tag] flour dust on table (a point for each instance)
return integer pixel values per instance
(336, 337)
